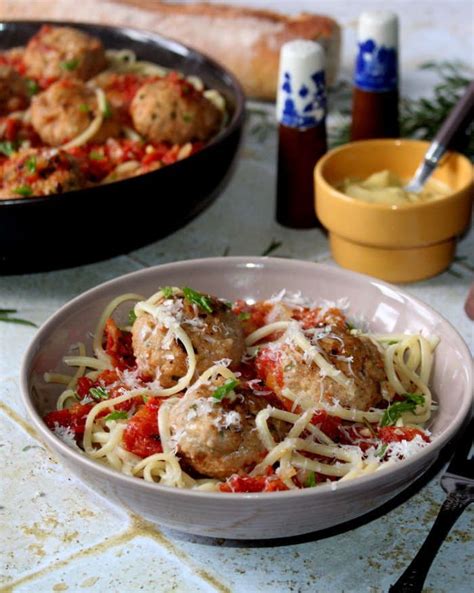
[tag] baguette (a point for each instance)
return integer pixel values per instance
(245, 40)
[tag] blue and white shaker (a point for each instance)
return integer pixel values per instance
(301, 113)
(375, 97)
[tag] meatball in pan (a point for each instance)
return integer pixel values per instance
(39, 172)
(172, 110)
(63, 52)
(66, 109)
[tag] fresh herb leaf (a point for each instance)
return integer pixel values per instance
(197, 298)
(7, 148)
(311, 480)
(394, 412)
(116, 416)
(381, 450)
(32, 87)
(420, 118)
(187, 117)
(107, 110)
(23, 190)
(5, 317)
(84, 108)
(392, 342)
(221, 392)
(70, 65)
(30, 163)
(96, 155)
(244, 316)
(167, 292)
(274, 245)
(98, 393)
(132, 316)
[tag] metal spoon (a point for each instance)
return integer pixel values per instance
(461, 116)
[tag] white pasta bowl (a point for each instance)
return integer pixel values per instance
(271, 514)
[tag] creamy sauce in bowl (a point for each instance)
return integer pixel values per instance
(385, 187)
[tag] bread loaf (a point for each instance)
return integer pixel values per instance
(245, 40)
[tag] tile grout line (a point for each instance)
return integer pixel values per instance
(136, 260)
(143, 527)
(84, 552)
(17, 419)
(139, 527)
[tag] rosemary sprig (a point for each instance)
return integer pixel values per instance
(420, 118)
(5, 316)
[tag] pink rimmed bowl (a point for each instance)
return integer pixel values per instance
(262, 515)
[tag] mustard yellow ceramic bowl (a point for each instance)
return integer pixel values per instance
(396, 243)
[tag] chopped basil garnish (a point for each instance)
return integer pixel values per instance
(32, 87)
(220, 393)
(70, 65)
(84, 107)
(7, 148)
(30, 164)
(244, 316)
(196, 298)
(381, 451)
(98, 393)
(167, 292)
(116, 416)
(310, 480)
(96, 156)
(23, 190)
(392, 342)
(187, 118)
(394, 412)
(132, 316)
(107, 110)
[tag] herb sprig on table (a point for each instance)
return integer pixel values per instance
(5, 315)
(422, 117)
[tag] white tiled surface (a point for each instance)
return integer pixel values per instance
(57, 535)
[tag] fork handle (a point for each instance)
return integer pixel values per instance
(414, 576)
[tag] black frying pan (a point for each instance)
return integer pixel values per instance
(86, 225)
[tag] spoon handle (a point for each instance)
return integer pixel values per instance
(460, 116)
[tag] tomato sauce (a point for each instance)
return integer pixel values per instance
(245, 483)
(141, 436)
(118, 345)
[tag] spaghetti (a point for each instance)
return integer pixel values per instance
(308, 400)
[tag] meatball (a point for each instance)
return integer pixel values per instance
(120, 88)
(217, 438)
(214, 336)
(283, 367)
(39, 172)
(13, 91)
(172, 110)
(64, 52)
(65, 110)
